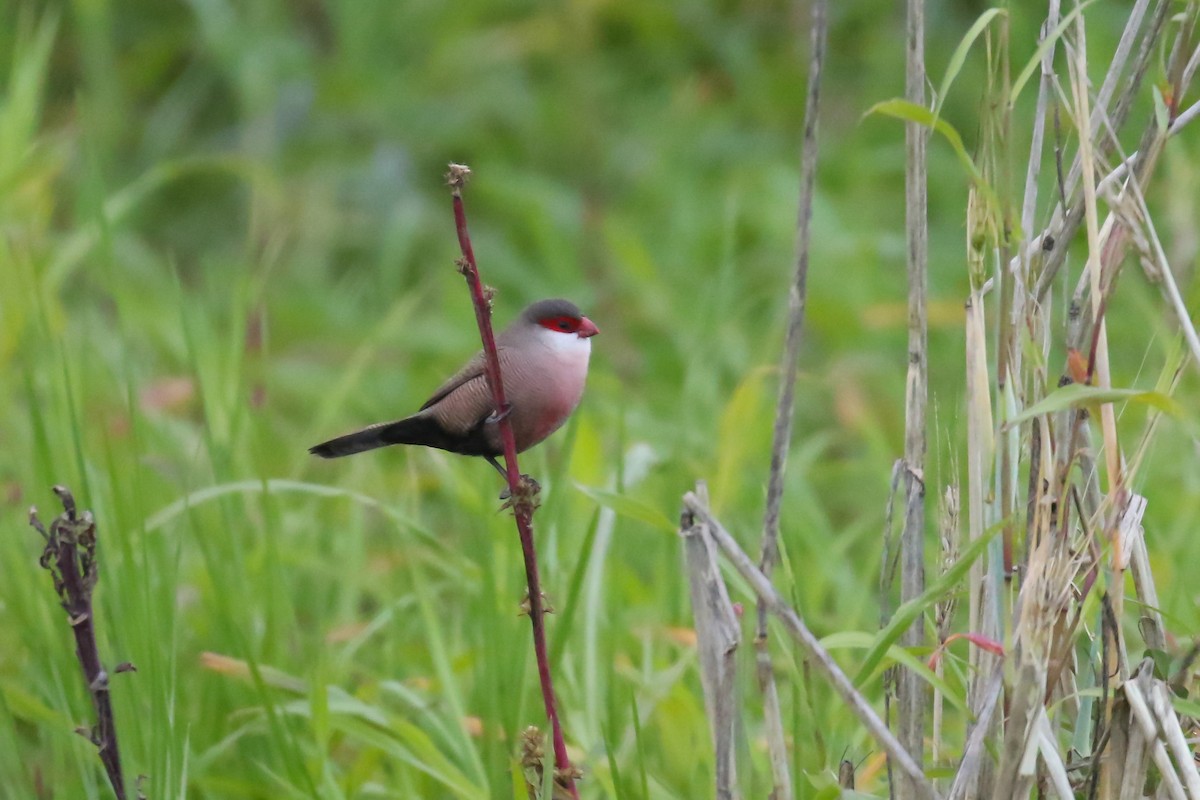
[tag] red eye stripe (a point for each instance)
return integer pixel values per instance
(561, 324)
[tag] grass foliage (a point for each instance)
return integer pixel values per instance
(225, 238)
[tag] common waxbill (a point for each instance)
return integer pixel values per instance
(543, 363)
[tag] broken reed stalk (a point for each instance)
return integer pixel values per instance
(817, 655)
(522, 490)
(70, 556)
(784, 413)
(911, 686)
(717, 638)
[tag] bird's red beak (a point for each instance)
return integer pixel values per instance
(587, 328)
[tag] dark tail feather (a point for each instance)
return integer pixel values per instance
(412, 430)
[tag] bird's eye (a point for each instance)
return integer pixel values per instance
(562, 324)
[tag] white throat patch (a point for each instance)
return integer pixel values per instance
(565, 343)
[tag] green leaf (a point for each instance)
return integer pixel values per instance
(1162, 117)
(960, 55)
(910, 611)
(1189, 707)
(861, 640)
(1074, 395)
(741, 432)
(630, 507)
(911, 112)
(407, 743)
(1043, 47)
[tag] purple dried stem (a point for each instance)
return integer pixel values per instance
(522, 492)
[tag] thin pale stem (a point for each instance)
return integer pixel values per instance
(784, 413)
(797, 300)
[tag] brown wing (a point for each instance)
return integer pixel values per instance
(462, 403)
(472, 369)
(475, 369)
(463, 408)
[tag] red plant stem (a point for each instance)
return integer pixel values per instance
(522, 501)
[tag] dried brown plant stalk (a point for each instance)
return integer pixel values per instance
(70, 556)
(785, 408)
(717, 638)
(911, 688)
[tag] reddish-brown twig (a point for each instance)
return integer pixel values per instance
(521, 490)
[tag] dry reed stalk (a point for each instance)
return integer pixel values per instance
(1045, 84)
(1043, 601)
(911, 688)
(1098, 120)
(997, 153)
(1147, 724)
(1098, 365)
(782, 432)
(1170, 729)
(717, 639)
(984, 597)
(1078, 74)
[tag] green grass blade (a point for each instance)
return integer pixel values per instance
(959, 57)
(909, 612)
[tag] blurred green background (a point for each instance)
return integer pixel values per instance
(225, 238)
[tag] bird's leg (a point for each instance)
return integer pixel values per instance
(504, 495)
(503, 472)
(492, 419)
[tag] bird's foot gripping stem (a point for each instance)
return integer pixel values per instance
(499, 414)
(527, 491)
(527, 487)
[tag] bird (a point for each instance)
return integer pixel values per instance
(543, 355)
